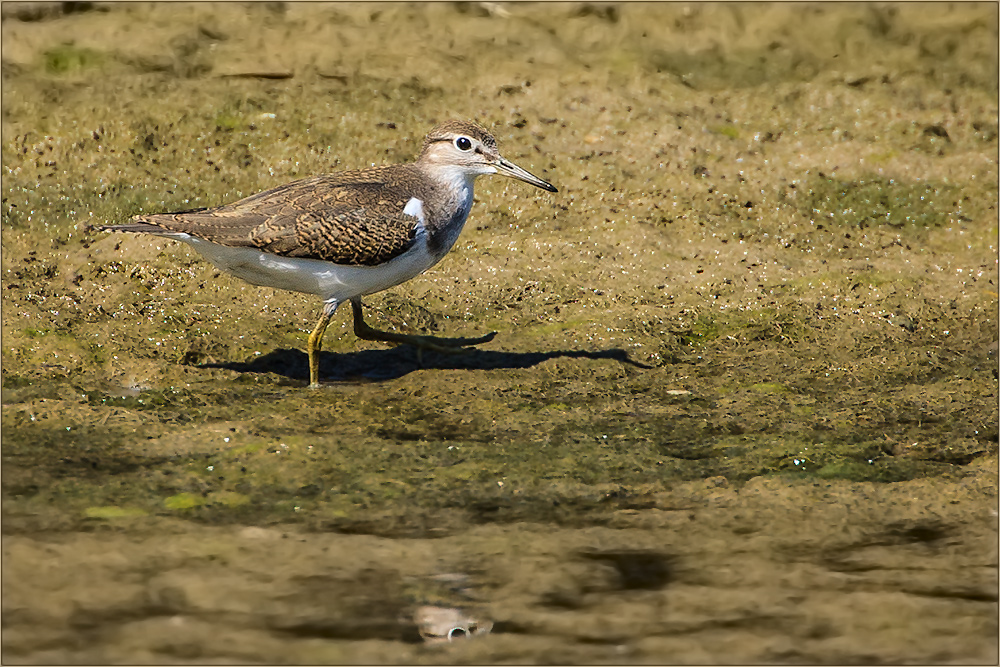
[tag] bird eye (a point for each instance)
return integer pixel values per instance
(463, 144)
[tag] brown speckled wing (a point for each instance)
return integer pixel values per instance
(353, 218)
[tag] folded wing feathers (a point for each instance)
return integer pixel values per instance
(339, 218)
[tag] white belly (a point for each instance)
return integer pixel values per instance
(331, 282)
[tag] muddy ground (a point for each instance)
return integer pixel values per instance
(742, 403)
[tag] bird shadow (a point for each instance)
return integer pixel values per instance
(392, 363)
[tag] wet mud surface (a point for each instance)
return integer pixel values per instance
(742, 403)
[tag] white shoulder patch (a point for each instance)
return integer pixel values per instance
(415, 207)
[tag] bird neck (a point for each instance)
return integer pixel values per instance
(450, 177)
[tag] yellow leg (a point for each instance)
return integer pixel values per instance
(447, 345)
(316, 342)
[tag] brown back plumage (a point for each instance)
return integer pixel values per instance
(352, 217)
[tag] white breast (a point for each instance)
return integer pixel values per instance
(415, 207)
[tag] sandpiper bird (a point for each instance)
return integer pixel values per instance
(346, 235)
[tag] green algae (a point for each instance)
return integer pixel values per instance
(879, 201)
(112, 512)
(69, 58)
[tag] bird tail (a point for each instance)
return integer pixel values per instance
(141, 224)
(136, 227)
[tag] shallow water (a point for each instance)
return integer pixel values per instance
(742, 403)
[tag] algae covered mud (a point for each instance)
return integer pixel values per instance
(742, 403)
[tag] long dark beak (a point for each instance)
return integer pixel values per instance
(508, 168)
